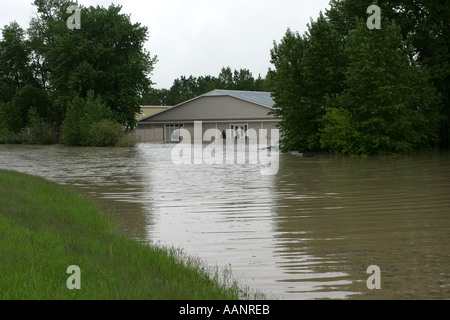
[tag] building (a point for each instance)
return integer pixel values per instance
(218, 109)
(147, 111)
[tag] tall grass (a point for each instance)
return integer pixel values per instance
(45, 228)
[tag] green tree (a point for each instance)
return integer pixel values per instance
(155, 97)
(41, 131)
(425, 25)
(73, 134)
(288, 88)
(207, 83)
(82, 115)
(186, 88)
(387, 106)
(106, 55)
(41, 32)
(15, 70)
(308, 73)
(14, 114)
(31, 97)
(260, 84)
(243, 80)
(104, 133)
(183, 89)
(10, 118)
(225, 79)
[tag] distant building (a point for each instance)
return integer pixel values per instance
(147, 111)
(218, 109)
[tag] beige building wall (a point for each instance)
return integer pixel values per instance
(149, 133)
(215, 112)
(213, 108)
(155, 132)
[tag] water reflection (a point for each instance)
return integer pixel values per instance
(310, 232)
(222, 214)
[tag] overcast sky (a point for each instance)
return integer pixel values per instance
(199, 37)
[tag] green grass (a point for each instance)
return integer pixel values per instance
(45, 228)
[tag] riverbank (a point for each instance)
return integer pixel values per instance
(46, 227)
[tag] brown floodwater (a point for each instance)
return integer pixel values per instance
(308, 232)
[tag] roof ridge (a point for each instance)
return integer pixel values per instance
(265, 101)
(261, 98)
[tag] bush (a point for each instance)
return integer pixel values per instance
(23, 137)
(339, 134)
(88, 123)
(105, 133)
(10, 118)
(126, 140)
(73, 134)
(41, 132)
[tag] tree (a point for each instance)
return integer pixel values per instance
(87, 122)
(106, 55)
(183, 89)
(42, 32)
(424, 24)
(387, 106)
(186, 88)
(155, 97)
(308, 73)
(243, 80)
(41, 131)
(207, 83)
(288, 84)
(73, 134)
(324, 66)
(10, 118)
(30, 97)
(15, 71)
(105, 133)
(226, 79)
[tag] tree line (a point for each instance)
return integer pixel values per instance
(340, 87)
(350, 89)
(80, 87)
(186, 88)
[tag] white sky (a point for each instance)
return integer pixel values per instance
(199, 37)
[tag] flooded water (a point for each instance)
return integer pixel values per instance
(309, 232)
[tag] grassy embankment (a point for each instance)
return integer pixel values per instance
(45, 228)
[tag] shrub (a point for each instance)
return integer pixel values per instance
(41, 132)
(23, 137)
(85, 123)
(105, 133)
(10, 118)
(339, 134)
(126, 140)
(73, 134)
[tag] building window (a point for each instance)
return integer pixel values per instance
(240, 130)
(172, 132)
